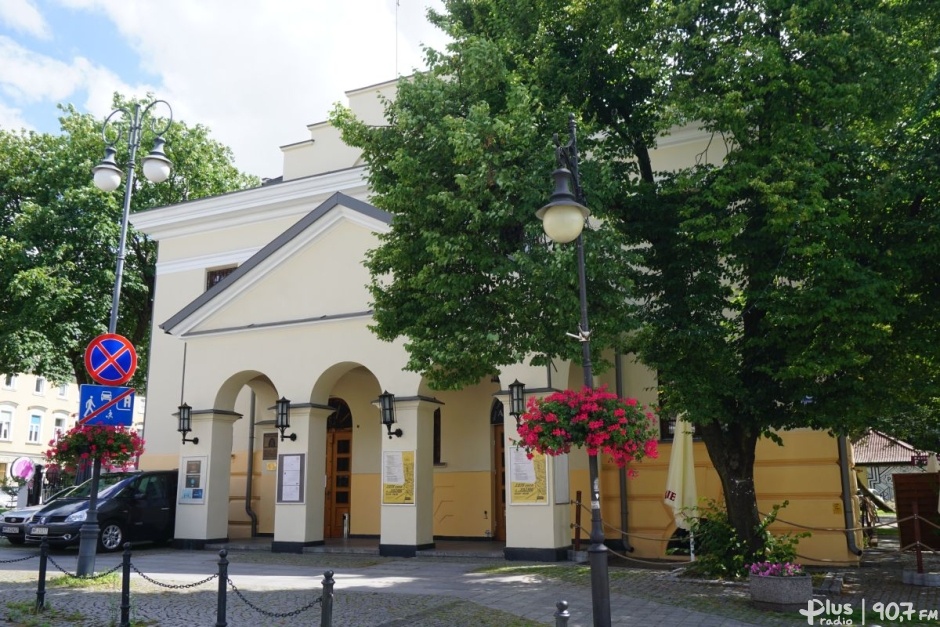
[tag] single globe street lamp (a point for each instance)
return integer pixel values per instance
(107, 177)
(563, 220)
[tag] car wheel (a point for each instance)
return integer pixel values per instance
(111, 537)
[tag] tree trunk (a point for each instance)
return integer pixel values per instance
(732, 449)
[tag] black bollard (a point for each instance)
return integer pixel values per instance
(562, 615)
(326, 603)
(223, 586)
(126, 587)
(41, 589)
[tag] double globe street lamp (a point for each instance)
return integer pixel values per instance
(107, 177)
(563, 220)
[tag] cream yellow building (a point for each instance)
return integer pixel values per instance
(261, 295)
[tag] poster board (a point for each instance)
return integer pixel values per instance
(528, 478)
(290, 477)
(193, 480)
(398, 478)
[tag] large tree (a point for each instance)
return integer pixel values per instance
(59, 239)
(788, 283)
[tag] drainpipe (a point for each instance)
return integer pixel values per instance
(847, 508)
(624, 537)
(251, 467)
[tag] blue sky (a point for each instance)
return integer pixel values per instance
(256, 72)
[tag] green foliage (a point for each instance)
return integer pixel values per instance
(721, 552)
(776, 280)
(59, 235)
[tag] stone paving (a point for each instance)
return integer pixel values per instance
(424, 591)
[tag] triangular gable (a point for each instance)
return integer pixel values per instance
(337, 209)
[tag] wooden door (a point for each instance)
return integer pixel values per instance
(499, 483)
(338, 495)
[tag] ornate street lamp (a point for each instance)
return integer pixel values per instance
(516, 400)
(186, 423)
(387, 409)
(282, 418)
(563, 220)
(107, 177)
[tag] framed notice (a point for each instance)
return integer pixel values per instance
(290, 478)
(269, 446)
(528, 478)
(193, 480)
(398, 478)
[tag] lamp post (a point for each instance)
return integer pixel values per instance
(563, 220)
(107, 177)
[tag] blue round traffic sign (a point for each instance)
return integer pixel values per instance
(111, 359)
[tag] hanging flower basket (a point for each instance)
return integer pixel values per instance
(116, 447)
(592, 418)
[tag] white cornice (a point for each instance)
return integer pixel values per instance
(206, 261)
(258, 204)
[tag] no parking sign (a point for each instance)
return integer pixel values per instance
(111, 359)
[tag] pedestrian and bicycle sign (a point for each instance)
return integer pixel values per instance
(106, 405)
(111, 359)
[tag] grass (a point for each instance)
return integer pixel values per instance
(111, 580)
(24, 614)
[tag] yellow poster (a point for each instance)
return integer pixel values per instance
(398, 478)
(528, 477)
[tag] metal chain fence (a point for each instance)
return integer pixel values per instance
(325, 600)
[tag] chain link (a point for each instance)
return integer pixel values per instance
(174, 586)
(18, 559)
(85, 577)
(273, 614)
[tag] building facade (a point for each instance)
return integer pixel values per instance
(261, 297)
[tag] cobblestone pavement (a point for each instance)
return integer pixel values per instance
(423, 591)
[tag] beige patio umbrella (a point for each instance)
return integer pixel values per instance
(681, 494)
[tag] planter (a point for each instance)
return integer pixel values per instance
(781, 593)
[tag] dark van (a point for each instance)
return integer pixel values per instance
(132, 507)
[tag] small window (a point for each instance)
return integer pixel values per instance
(60, 428)
(6, 423)
(40, 387)
(35, 426)
(63, 391)
(9, 381)
(214, 277)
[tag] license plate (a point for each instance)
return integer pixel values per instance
(40, 531)
(10, 530)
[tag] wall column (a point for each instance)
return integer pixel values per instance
(407, 490)
(538, 504)
(300, 524)
(205, 472)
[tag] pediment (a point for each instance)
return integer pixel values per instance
(312, 271)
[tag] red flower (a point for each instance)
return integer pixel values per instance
(593, 418)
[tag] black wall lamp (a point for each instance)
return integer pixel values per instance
(387, 407)
(186, 423)
(516, 399)
(282, 418)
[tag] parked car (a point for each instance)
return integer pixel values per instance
(14, 520)
(132, 507)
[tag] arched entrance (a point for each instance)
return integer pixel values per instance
(338, 496)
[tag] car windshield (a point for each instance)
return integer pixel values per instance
(108, 484)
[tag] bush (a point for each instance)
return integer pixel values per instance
(720, 553)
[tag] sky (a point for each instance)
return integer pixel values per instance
(256, 72)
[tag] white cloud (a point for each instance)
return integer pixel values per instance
(24, 17)
(256, 72)
(12, 118)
